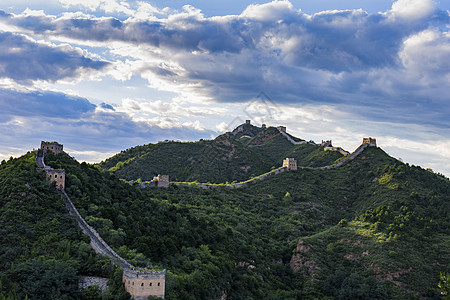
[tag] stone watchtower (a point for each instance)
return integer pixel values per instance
(282, 129)
(290, 163)
(371, 141)
(57, 176)
(52, 146)
(162, 180)
(143, 283)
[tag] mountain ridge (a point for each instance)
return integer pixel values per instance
(374, 228)
(246, 152)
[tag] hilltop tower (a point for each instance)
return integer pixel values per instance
(371, 141)
(247, 122)
(282, 129)
(263, 126)
(325, 143)
(55, 147)
(290, 163)
(141, 284)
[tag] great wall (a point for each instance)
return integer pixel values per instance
(367, 142)
(142, 282)
(139, 282)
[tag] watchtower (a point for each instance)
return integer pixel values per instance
(282, 129)
(325, 143)
(290, 163)
(143, 283)
(55, 147)
(162, 180)
(371, 141)
(263, 126)
(57, 176)
(247, 122)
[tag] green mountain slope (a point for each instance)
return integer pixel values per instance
(373, 229)
(226, 158)
(271, 144)
(222, 159)
(42, 250)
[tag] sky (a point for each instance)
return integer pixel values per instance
(101, 76)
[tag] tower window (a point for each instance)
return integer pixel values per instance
(150, 284)
(159, 283)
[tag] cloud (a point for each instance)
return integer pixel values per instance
(413, 9)
(393, 63)
(389, 68)
(27, 118)
(108, 6)
(42, 104)
(23, 59)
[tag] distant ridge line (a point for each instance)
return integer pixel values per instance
(280, 170)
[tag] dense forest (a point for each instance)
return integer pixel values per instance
(375, 228)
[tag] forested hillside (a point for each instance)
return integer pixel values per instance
(42, 250)
(226, 158)
(373, 229)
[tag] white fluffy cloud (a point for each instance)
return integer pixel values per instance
(413, 9)
(109, 6)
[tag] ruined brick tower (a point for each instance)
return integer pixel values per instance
(52, 146)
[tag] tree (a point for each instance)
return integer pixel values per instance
(45, 279)
(444, 285)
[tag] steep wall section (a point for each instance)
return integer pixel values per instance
(346, 159)
(291, 140)
(99, 245)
